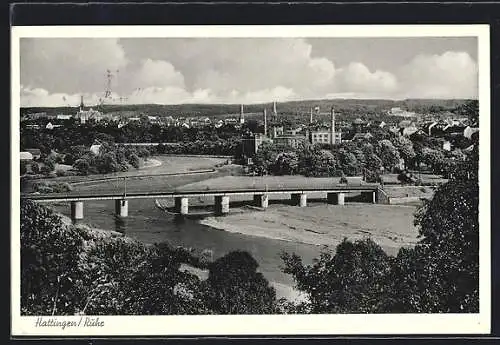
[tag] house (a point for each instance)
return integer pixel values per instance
(407, 127)
(25, 156)
(36, 153)
(219, 124)
(362, 136)
(230, 121)
(469, 131)
(446, 145)
(63, 117)
(95, 149)
(49, 126)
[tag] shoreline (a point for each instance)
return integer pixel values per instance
(322, 225)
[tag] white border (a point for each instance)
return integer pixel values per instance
(272, 324)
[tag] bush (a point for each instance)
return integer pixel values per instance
(35, 168)
(60, 172)
(52, 187)
(406, 178)
(45, 170)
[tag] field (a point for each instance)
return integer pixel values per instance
(157, 165)
(271, 182)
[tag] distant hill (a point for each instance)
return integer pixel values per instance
(345, 107)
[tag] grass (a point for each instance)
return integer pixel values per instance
(272, 182)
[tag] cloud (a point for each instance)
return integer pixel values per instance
(449, 75)
(356, 77)
(225, 70)
(158, 73)
(69, 65)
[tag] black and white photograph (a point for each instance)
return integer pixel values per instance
(236, 180)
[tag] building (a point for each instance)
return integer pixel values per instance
(95, 149)
(277, 131)
(251, 143)
(85, 115)
(397, 111)
(407, 128)
(469, 131)
(25, 156)
(325, 134)
(63, 117)
(294, 141)
(36, 153)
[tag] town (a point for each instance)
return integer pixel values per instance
(451, 133)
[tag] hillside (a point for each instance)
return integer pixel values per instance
(346, 107)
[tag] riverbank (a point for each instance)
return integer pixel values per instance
(283, 290)
(325, 225)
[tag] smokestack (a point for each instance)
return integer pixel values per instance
(332, 126)
(275, 112)
(81, 102)
(242, 119)
(311, 116)
(265, 122)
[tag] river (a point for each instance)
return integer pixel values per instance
(149, 224)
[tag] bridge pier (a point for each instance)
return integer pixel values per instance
(121, 207)
(369, 197)
(336, 198)
(221, 205)
(181, 205)
(299, 199)
(76, 210)
(261, 200)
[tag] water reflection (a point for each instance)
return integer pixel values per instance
(120, 224)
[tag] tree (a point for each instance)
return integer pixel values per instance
(23, 167)
(441, 274)
(286, 164)
(134, 160)
(353, 280)
(265, 157)
(45, 170)
(235, 287)
(388, 154)
(470, 109)
(69, 159)
(405, 148)
(82, 165)
(35, 168)
(49, 254)
(50, 163)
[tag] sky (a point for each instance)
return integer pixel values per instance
(57, 71)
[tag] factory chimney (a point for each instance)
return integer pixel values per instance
(242, 119)
(332, 126)
(265, 122)
(81, 103)
(311, 116)
(275, 112)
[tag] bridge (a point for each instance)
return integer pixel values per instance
(261, 195)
